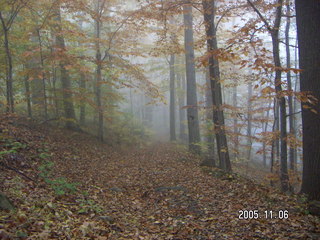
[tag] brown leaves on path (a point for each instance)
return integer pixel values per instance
(154, 192)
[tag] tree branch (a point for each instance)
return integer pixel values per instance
(260, 15)
(16, 170)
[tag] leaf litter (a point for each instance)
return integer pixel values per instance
(152, 192)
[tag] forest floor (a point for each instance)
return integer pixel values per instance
(152, 192)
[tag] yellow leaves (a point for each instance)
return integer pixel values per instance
(220, 54)
(267, 90)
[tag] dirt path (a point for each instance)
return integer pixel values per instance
(161, 193)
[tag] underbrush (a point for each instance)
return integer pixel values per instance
(46, 205)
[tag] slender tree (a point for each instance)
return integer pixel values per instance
(181, 90)
(36, 75)
(98, 75)
(192, 111)
(82, 86)
(274, 32)
(209, 112)
(235, 121)
(7, 19)
(172, 99)
(64, 74)
(289, 81)
(28, 93)
(43, 75)
(249, 119)
(214, 74)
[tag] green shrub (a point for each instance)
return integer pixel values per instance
(60, 186)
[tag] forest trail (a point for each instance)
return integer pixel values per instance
(159, 192)
(154, 192)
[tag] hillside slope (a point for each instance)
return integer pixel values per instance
(155, 192)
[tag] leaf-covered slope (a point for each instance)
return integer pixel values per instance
(155, 192)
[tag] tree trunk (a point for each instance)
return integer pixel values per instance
(98, 75)
(296, 105)
(249, 127)
(192, 110)
(82, 85)
(308, 22)
(172, 99)
(35, 69)
(235, 122)
(209, 118)
(54, 91)
(282, 105)
(43, 80)
(9, 79)
(214, 73)
(64, 75)
(284, 178)
(28, 95)
(274, 32)
(265, 130)
(290, 99)
(277, 129)
(6, 26)
(181, 99)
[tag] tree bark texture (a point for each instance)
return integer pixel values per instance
(172, 99)
(64, 75)
(308, 22)
(214, 73)
(192, 110)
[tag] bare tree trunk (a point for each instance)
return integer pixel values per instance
(53, 82)
(98, 75)
(249, 116)
(277, 129)
(274, 142)
(290, 99)
(9, 80)
(82, 85)
(6, 22)
(54, 91)
(44, 95)
(265, 130)
(28, 95)
(274, 32)
(308, 23)
(65, 77)
(235, 122)
(214, 73)
(181, 99)
(209, 120)
(172, 99)
(282, 105)
(131, 102)
(192, 111)
(36, 83)
(296, 105)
